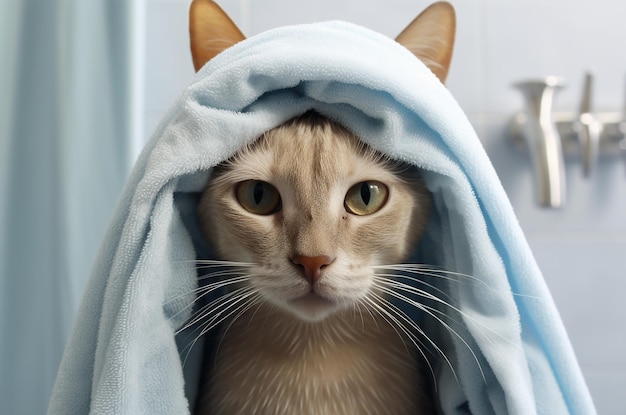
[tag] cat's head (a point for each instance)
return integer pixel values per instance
(312, 208)
(315, 211)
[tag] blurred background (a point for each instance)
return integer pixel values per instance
(83, 83)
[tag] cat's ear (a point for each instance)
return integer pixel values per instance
(431, 37)
(210, 31)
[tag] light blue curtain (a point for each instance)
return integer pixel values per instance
(68, 118)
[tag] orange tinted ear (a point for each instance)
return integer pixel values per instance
(431, 37)
(210, 31)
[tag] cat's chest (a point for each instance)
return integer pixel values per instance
(354, 367)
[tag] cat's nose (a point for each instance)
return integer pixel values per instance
(312, 265)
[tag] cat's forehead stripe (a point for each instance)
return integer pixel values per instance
(297, 151)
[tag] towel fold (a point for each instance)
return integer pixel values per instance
(511, 354)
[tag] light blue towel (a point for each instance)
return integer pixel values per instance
(122, 357)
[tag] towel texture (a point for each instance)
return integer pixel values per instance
(122, 356)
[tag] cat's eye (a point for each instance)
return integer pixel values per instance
(366, 198)
(258, 197)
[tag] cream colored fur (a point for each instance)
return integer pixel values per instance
(313, 348)
(351, 363)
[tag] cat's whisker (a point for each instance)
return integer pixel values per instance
(229, 308)
(386, 284)
(228, 267)
(417, 304)
(358, 309)
(207, 288)
(434, 298)
(235, 306)
(367, 309)
(224, 282)
(432, 312)
(213, 307)
(412, 324)
(217, 306)
(395, 277)
(250, 302)
(213, 270)
(359, 306)
(239, 296)
(386, 316)
(430, 271)
(201, 292)
(378, 306)
(258, 306)
(225, 266)
(218, 274)
(215, 263)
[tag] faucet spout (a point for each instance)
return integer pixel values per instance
(542, 138)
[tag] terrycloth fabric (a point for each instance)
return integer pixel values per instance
(122, 357)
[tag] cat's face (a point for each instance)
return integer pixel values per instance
(313, 210)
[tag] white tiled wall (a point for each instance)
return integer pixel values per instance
(580, 248)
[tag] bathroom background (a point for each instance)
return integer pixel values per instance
(82, 85)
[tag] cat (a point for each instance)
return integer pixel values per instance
(305, 220)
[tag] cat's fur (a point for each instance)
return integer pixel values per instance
(309, 335)
(313, 348)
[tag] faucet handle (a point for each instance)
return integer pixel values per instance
(588, 128)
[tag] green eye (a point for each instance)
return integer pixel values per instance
(366, 198)
(258, 197)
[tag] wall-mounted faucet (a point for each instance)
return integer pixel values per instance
(538, 130)
(551, 135)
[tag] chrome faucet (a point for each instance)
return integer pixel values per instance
(551, 135)
(542, 138)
